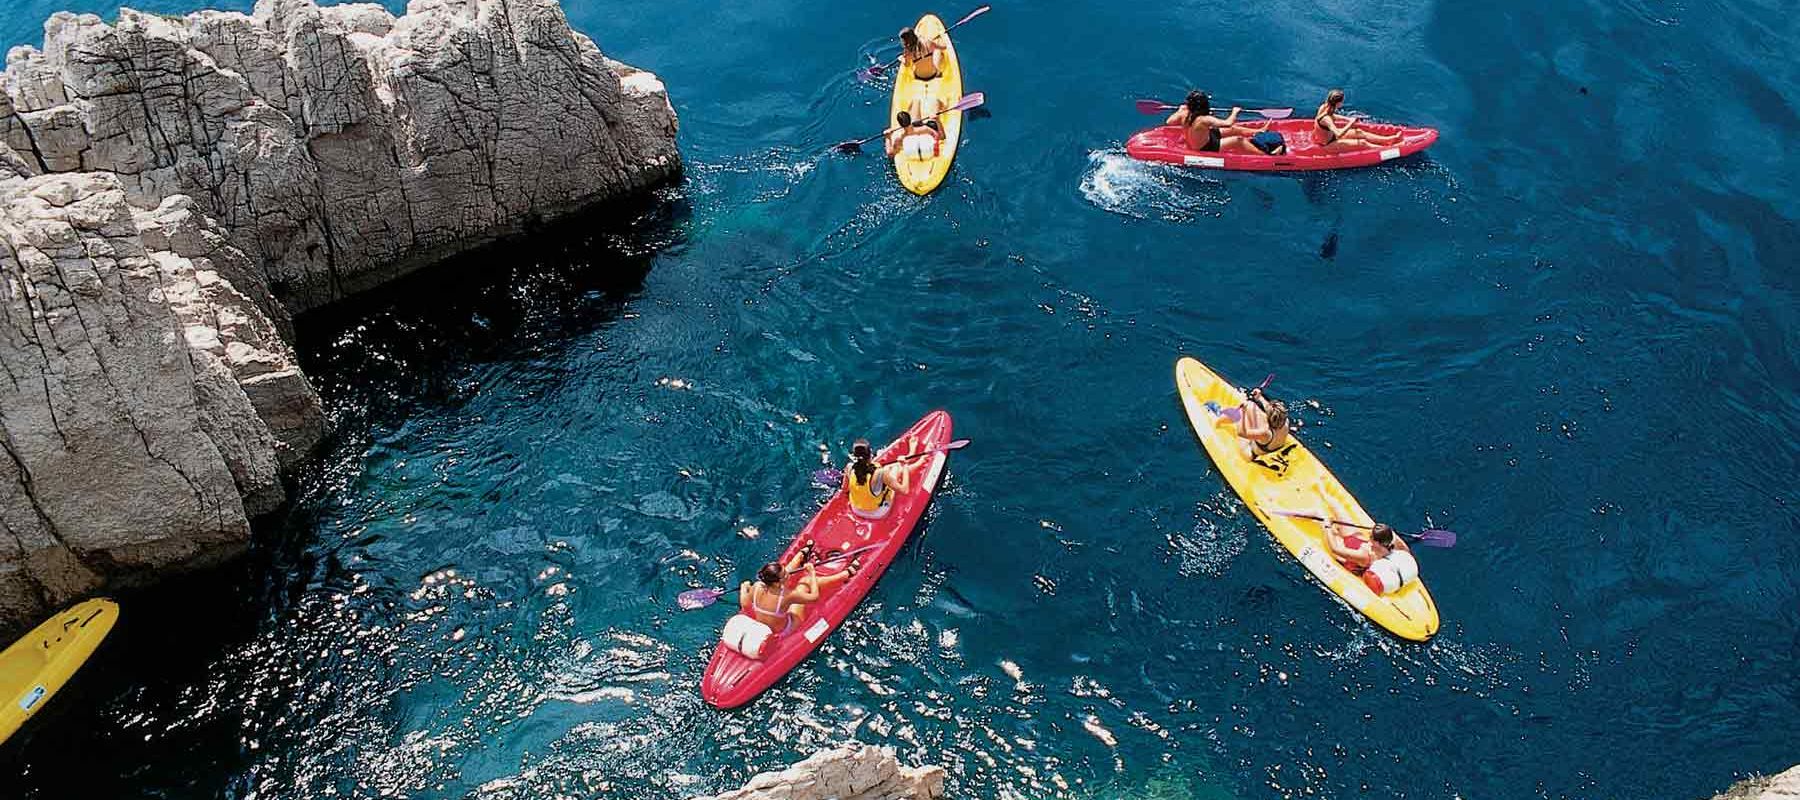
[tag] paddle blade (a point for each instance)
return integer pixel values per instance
(1153, 107)
(828, 477)
(1274, 113)
(694, 599)
(969, 101)
(956, 445)
(851, 147)
(1435, 537)
(979, 10)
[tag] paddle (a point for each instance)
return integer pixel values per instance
(874, 71)
(832, 476)
(1159, 107)
(1431, 537)
(1236, 413)
(969, 101)
(695, 599)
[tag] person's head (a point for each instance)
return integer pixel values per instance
(1278, 415)
(903, 119)
(1334, 98)
(1198, 104)
(862, 459)
(1382, 534)
(771, 574)
(909, 40)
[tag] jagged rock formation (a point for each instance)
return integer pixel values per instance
(175, 188)
(1784, 786)
(854, 771)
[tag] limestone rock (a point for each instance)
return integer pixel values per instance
(854, 771)
(1783, 786)
(342, 146)
(148, 403)
(176, 188)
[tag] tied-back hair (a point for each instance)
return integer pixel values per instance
(771, 574)
(1334, 98)
(1382, 534)
(863, 467)
(1278, 414)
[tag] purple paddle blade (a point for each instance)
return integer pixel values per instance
(1436, 537)
(828, 477)
(693, 599)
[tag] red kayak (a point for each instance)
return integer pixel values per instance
(1167, 145)
(839, 537)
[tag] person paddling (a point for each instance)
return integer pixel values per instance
(916, 139)
(872, 487)
(769, 601)
(1263, 422)
(1380, 556)
(1340, 133)
(1209, 134)
(922, 55)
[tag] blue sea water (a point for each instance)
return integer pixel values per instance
(1567, 333)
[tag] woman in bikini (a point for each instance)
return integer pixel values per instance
(769, 601)
(1340, 133)
(1263, 422)
(919, 55)
(1209, 134)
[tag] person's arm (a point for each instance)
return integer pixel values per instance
(1180, 117)
(892, 144)
(744, 597)
(807, 589)
(898, 477)
(1232, 120)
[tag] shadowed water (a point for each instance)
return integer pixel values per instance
(1568, 333)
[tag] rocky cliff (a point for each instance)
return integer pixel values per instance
(854, 771)
(1784, 786)
(176, 188)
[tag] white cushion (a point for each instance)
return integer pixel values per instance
(745, 636)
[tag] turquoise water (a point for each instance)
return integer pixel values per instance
(1568, 333)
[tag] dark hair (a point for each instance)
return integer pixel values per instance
(771, 574)
(904, 119)
(862, 460)
(909, 42)
(1334, 97)
(1198, 104)
(1382, 534)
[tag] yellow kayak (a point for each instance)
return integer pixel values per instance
(36, 666)
(921, 175)
(1292, 479)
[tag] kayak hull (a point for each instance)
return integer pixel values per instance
(1167, 144)
(731, 680)
(922, 176)
(41, 662)
(1294, 481)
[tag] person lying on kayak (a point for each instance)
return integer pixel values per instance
(1263, 423)
(922, 55)
(768, 601)
(1341, 133)
(916, 139)
(871, 486)
(1209, 134)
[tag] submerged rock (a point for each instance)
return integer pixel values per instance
(855, 771)
(176, 188)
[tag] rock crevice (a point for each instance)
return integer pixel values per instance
(176, 189)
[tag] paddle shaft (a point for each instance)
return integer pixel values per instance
(969, 101)
(876, 69)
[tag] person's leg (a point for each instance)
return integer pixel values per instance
(1239, 144)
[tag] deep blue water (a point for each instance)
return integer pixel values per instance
(1569, 333)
